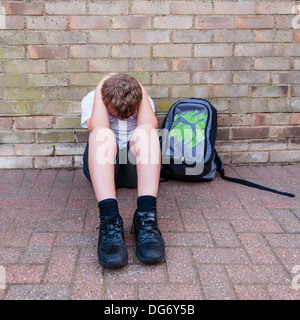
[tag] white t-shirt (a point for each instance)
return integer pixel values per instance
(121, 128)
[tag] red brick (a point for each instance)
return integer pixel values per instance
(45, 52)
(108, 8)
(6, 123)
(131, 22)
(214, 23)
(286, 78)
(188, 7)
(257, 248)
(61, 265)
(250, 133)
(23, 8)
(269, 92)
(255, 22)
(172, 50)
(285, 7)
(235, 63)
(285, 22)
(295, 91)
(89, 51)
(287, 50)
(24, 273)
(246, 292)
(89, 23)
(62, 8)
(47, 23)
(180, 266)
(233, 36)
(253, 50)
(229, 91)
(274, 36)
(214, 77)
(272, 63)
(234, 8)
(192, 64)
(191, 36)
(265, 119)
(223, 234)
(283, 292)
(251, 77)
(257, 274)
(120, 292)
(150, 7)
(219, 255)
(13, 23)
(215, 283)
(34, 122)
(150, 36)
(218, 50)
(169, 292)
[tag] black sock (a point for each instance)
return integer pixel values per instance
(146, 203)
(108, 207)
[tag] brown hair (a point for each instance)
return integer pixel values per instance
(122, 94)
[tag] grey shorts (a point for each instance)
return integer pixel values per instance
(125, 171)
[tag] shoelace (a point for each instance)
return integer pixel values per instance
(146, 223)
(110, 227)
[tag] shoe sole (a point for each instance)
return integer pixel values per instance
(151, 261)
(115, 264)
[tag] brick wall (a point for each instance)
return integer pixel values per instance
(243, 56)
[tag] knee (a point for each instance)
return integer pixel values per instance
(100, 133)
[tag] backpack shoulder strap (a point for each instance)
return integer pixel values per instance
(221, 171)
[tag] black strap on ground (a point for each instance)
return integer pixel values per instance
(221, 171)
(254, 185)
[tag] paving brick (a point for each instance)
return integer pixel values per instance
(246, 292)
(223, 234)
(287, 220)
(281, 292)
(264, 226)
(215, 283)
(289, 257)
(39, 255)
(257, 274)
(61, 265)
(220, 255)
(42, 239)
(257, 248)
(120, 292)
(10, 255)
(129, 274)
(180, 266)
(16, 274)
(169, 292)
(38, 292)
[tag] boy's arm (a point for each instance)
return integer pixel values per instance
(145, 112)
(99, 115)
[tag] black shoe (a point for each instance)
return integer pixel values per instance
(112, 251)
(150, 246)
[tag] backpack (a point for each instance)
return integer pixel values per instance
(187, 140)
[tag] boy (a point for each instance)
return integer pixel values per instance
(120, 118)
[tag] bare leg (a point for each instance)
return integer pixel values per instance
(144, 144)
(102, 152)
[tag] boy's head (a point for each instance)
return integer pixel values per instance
(122, 95)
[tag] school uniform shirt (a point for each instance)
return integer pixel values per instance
(121, 128)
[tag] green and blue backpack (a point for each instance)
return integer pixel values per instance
(187, 139)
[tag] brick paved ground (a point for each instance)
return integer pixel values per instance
(223, 241)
